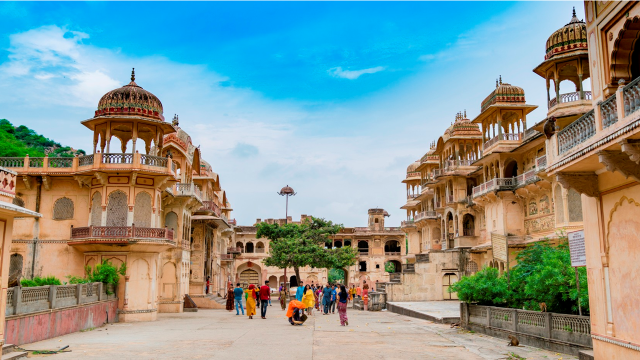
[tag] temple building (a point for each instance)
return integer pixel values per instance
(483, 192)
(150, 203)
(377, 245)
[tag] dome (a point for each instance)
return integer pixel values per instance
(413, 166)
(287, 190)
(130, 99)
(570, 37)
(504, 93)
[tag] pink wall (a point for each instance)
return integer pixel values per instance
(42, 326)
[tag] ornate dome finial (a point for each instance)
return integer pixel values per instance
(500, 79)
(574, 11)
(133, 74)
(496, 83)
(465, 113)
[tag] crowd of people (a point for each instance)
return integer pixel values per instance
(321, 298)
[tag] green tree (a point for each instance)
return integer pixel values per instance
(298, 245)
(335, 275)
(341, 259)
(20, 141)
(486, 287)
(389, 267)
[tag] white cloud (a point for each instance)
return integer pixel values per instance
(353, 74)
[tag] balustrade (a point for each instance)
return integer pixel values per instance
(609, 111)
(153, 160)
(503, 137)
(60, 162)
(631, 96)
(117, 158)
(121, 232)
(86, 160)
(570, 97)
(541, 162)
(36, 162)
(577, 132)
(11, 162)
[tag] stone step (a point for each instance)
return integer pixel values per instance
(187, 310)
(14, 355)
(7, 348)
(585, 355)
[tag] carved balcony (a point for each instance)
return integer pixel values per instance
(131, 237)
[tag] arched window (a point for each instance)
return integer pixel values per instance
(171, 220)
(142, 210)
(63, 209)
(117, 209)
(362, 266)
(472, 267)
(392, 247)
(96, 209)
(575, 206)
(15, 269)
(260, 247)
(468, 225)
(363, 247)
(249, 247)
(240, 246)
(559, 204)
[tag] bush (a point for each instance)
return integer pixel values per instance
(106, 273)
(543, 275)
(40, 281)
(77, 280)
(486, 287)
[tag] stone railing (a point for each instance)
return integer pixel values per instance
(232, 222)
(570, 97)
(412, 196)
(503, 137)
(577, 132)
(541, 162)
(426, 215)
(609, 111)
(86, 160)
(631, 96)
(188, 189)
(530, 133)
(260, 251)
(363, 252)
(392, 253)
(60, 162)
(405, 223)
(437, 172)
(234, 250)
(413, 174)
(153, 160)
(25, 300)
(109, 158)
(121, 232)
(226, 257)
(208, 205)
(12, 162)
(568, 330)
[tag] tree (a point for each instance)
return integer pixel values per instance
(335, 275)
(298, 245)
(389, 267)
(341, 259)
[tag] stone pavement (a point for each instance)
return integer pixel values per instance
(218, 334)
(438, 311)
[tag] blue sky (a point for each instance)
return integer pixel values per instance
(334, 99)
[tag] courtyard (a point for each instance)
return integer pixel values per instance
(218, 334)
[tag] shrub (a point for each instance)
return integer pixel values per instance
(40, 281)
(106, 273)
(486, 287)
(77, 280)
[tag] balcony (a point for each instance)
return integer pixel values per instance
(363, 252)
(122, 236)
(541, 163)
(232, 222)
(208, 205)
(412, 196)
(392, 253)
(188, 189)
(234, 250)
(577, 132)
(426, 215)
(508, 137)
(407, 223)
(226, 257)
(96, 162)
(452, 165)
(450, 199)
(572, 97)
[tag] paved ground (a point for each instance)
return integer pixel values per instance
(437, 309)
(218, 334)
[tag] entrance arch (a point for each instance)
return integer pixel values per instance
(273, 282)
(249, 276)
(293, 281)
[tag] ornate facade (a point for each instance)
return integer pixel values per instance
(160, 211)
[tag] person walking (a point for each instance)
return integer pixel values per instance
(283, 296)
(265, 294)
(316, 296)
(237, 295)
(365, 289)
(342, 306)
(230, 298)
(359, 292)
(299, 292)
(308, 299)
(251, 301)
(326, 299)
(334, 297)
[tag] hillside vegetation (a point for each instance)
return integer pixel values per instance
(20, 141)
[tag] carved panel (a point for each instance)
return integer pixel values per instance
(118, 179)
(144, 181)
(575, 206)
(539, 224)
(63, 209)
(96, 209)
(117, 209)
(142, 210)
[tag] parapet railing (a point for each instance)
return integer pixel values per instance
(25, 300)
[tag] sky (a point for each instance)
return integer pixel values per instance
(334, 99)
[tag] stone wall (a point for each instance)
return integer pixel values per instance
(426, 283)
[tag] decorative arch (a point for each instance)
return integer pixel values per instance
(171, 220)
(142, 210)
(96, 209)
(624, 52)
(168, 281)
(510, 168)
(117, 209)
(63, 209)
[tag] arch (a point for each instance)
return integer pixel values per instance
(559, 204)
(472, 267)
(337, 244)
(140, 280)
(171, 220)
(260, 247)
(249, 247)
(347, 243)
(96, 209)
(168, 281)
(510, 168)
(249, 276)
(625, 52)
(117, 209)
(273, 282)
(63, 209)
(468, 225)
(449, 279)
(393, 266)
(142, 210)
(574, 202)
(281, 281)
(15, 269)
(293, 281)
(392, 247)
(363, 247)
(240, 245)
(311, 280)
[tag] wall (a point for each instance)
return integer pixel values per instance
(24, 329)
(426, 283)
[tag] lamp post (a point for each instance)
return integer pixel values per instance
(286, 192)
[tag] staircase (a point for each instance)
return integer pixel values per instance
(189, 304)
(9, 352)
(395, 278)
(220, 300)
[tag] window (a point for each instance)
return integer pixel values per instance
(18, 201)
(96, 209)
(377, 266)
(142, 210)
(63, 209)
(117, 209)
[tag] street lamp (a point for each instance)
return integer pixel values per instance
(286, 192)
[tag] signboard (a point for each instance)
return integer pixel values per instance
(577, 248)
(499, 244)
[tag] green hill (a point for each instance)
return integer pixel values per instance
(20, 141)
